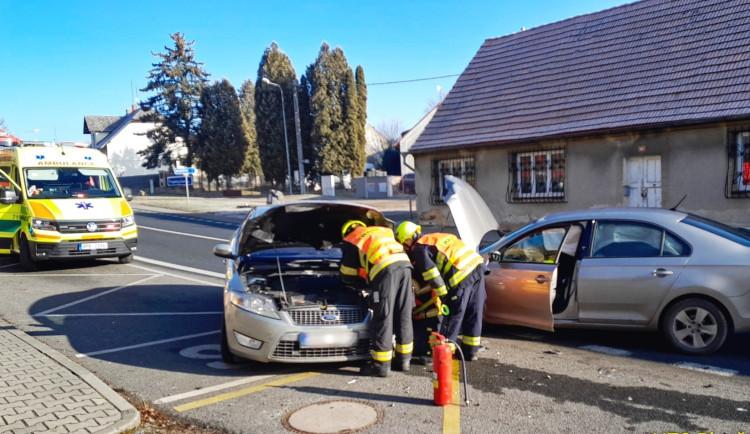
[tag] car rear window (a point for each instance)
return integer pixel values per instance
(738, 235)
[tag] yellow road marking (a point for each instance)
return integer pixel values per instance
(243, 392)
(452, 412)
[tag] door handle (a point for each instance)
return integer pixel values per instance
(661, 272)
(540, 279)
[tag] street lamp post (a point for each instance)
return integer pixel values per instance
(286, 141)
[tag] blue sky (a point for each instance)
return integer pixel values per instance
(64, 60)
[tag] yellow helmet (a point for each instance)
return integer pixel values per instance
(407, 230)
(349, 226)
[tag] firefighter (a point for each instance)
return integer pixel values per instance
(427, 315)
(456, 273)
(371, 254)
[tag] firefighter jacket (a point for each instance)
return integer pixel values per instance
(367, 251)
(444, 261)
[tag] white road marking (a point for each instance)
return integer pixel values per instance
(707, 368)
(182, 233)
(138, 282)
(178, 267)
(194, 393)
(146, 344)
(208, 351)
(607, 350)
(70, 315)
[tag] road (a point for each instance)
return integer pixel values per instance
(151, 328)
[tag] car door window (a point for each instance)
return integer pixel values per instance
(635, 240)
(538, 247)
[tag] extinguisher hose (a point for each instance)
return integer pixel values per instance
(463, 370)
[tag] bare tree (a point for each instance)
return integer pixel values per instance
(3, 126)
(391, 129)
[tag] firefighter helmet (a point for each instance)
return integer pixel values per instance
(349, 226)
(407, 230)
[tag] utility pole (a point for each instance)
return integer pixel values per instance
(301, 167)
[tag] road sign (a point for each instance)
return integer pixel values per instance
(184, 170)
(179, 181)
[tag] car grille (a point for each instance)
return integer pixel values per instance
(79, 227)
(292, 350)
(354, 315)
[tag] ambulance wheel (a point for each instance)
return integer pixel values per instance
(126, 259)
(24, 256)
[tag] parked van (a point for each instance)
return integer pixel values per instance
(62, 203)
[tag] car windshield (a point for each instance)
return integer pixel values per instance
(69, 182)
(738, 235)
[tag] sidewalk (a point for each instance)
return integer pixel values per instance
(42, 391)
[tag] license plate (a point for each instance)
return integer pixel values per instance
(323, 340)
(92, 246)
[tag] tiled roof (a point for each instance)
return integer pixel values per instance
(98, 124)
(644, 64)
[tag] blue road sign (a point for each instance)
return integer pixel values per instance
(184, 171)
(179, 181)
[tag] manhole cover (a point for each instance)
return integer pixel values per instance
(340, 416)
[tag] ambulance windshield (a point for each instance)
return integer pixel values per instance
(69, 183)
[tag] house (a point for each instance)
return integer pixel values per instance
(121, 138)
(406, 141)
(644, 104)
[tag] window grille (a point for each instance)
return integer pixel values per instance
(738, 164)
(537, 176)
(460, 167)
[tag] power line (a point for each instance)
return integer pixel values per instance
(410, 81)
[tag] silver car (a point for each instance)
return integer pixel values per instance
(619, 268)
(284, 300)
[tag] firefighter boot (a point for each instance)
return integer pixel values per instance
(401, 362)
(376, 369)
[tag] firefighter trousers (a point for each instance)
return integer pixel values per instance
(392, 312)
(466, 304)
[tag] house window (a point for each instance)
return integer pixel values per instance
(460, 167)
(537, 176)
(738, 173)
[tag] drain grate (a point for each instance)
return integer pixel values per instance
(335, 416)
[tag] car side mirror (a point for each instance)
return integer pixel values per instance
(495, 256)
(128, 193)
(8, 196)
(223, 251)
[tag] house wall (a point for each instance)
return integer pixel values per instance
(693, 163)
(122, 150)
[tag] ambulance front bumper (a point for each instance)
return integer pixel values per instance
(82, 249)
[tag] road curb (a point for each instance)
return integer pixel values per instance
(130, 417)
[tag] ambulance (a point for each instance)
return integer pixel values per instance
(62, 203)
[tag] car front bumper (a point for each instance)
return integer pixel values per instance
(301, 335)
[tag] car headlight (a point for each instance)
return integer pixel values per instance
(128, 220)
(256, 303)
(44, 225)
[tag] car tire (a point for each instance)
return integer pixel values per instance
(695, 326)
(126, 259)
(28, 263)
(226, 354)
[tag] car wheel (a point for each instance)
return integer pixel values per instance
(126, 259)
(695, 326)
(24, 256)
(226, 354)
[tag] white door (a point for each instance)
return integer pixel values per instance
(643, 177)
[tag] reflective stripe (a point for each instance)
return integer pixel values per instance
(348, 271)
(430, 274)
(441, 291)
(382, 356)
(405, 348)
(396, 257)
(471, 341)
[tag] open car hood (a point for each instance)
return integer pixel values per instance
(303, 225)
(472, 215)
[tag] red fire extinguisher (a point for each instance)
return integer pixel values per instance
(442, 369)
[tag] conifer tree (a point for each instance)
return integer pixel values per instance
(305, 120)
(251, 164)
(177, 81)
(222, 137)
(269, 122)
